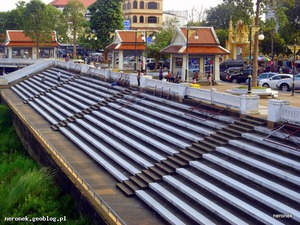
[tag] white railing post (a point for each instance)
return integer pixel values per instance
(275, 108)
(249, 104)
(133, 79)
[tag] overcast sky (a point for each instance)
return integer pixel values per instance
(168, 4)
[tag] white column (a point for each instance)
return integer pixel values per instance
(34, 53)
(249, 104)
(184, 66)
(121, 57)
(217, 68)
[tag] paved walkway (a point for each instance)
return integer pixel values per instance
(263, 102)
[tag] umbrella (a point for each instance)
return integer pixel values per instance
(263, 59)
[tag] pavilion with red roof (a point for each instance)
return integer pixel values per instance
(202, 46)
(18, 45)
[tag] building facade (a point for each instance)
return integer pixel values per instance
(143, 14)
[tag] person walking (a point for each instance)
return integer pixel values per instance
(160, 73)
(43, 79)
(58, 76)
(138, 77)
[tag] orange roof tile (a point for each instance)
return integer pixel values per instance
(131, 36)
(86, 3)
(18, 38)
(205, 35)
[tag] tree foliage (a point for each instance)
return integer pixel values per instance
(106, 17)
(162, 40)
(219, 16)
(74, 17)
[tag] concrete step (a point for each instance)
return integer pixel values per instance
(159, 172)
(227, 134)
(221, 137)
(191, 154)
(132, 185)
(183, 157)
(240, 127)
(144, 177)
(170, 164)
(165, 168)
(232, 131)
(125, 189)
(178, 161)
(216, 141)
(203, 148)
(196, 149)
(139, 182)
(152, 175)
(244, 124)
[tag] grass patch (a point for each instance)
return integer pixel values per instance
(246, 87)
(26, 189)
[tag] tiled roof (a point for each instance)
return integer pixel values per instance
(56, 3)
(18, 38)
(207, 42)
(205, 35)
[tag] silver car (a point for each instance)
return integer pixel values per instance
(287, 84)
(272, 82)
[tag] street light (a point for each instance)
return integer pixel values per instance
(145, 39)
(294, 69)
(196, 37)
(260, 38)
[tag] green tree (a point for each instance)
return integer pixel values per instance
(289, 26)
(241, 10)
(219, 16)
(106, 17)
(74, 16)
(162, 40)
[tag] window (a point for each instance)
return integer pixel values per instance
(141, 19)
(128, 5)
(152, 5)
(135, 4)
(152, 19)
(124, 6)
(134, 20)
(142, 5)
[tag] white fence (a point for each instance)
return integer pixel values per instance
(246, 104)
(26, 71)
(280, 111)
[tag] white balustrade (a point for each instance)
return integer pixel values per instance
(290, 114)
(26, 71)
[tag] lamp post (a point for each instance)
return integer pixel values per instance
(135, 52)
(294, 69)
(145, 39)
(187, 52)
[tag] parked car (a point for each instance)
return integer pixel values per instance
(265, 75)
(229, 71)
(240, 77)
(287, 84)
(232, 63)
(272, 82)
(165, 64)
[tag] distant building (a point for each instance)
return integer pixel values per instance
(181, 17)
(60, 4)
(143, 14)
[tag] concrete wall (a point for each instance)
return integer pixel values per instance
(37, 151)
